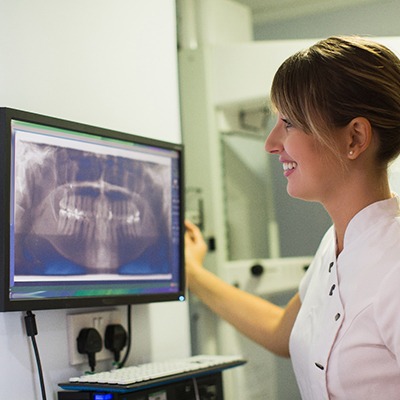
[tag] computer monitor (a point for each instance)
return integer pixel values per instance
(90, 216)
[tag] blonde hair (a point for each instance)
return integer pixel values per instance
(327, 85)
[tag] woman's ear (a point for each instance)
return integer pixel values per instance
(359, 136)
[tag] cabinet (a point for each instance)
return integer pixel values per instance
(247, 212)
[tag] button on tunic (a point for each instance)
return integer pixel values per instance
(345, 343)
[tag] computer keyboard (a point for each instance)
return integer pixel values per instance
(148, 374)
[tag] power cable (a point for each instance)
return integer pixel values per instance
(31, 331)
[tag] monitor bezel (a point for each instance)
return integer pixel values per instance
(7, 115)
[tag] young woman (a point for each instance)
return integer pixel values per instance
(338, 128)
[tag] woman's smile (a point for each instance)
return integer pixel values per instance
(289, 167)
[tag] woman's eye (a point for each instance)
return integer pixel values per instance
(287, 123)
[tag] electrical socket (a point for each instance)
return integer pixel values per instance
(98, 320)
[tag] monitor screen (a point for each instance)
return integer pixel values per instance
(90, 216)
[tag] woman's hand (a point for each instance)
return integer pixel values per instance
(195, 249)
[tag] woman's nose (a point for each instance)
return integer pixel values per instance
(273, 143)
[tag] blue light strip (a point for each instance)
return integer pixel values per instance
(102, 396)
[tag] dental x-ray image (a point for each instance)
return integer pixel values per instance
(87, 212)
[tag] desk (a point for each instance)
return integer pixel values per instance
(207, 386)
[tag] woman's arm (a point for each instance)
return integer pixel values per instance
(262, 321)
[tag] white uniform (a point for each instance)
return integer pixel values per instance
(345, 343)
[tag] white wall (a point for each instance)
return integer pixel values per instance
(102, 62)
(106, 63)
(375, 18)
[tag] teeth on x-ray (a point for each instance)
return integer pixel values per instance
(77, 212)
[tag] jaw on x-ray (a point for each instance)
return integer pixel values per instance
(80, 212)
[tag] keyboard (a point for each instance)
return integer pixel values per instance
(145, 375)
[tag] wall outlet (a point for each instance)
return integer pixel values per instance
(98, 320)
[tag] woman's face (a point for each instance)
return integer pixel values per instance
(310, 170)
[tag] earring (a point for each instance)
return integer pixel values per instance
(351, 152)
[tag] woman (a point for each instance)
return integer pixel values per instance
(338, 128)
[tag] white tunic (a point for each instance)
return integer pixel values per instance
(345, 343)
